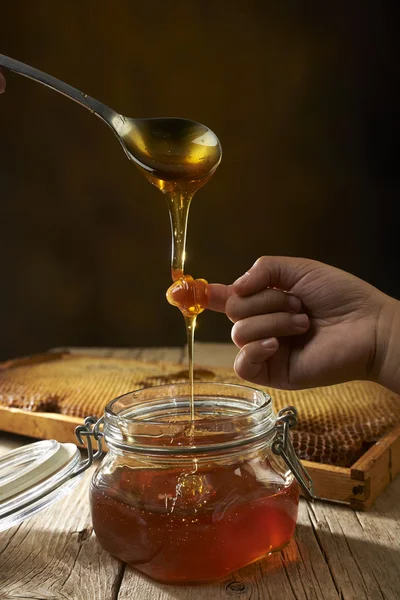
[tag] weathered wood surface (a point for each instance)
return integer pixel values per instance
(336, 554)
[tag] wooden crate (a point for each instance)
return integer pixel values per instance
(360, 485)
(357, 486)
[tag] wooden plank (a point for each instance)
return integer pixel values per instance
(55, 555)
(362, 549)
(367, 463)
(39, 425)
(332, 483)
(307, 568)
(376, 468)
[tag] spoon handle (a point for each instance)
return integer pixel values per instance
(98, 108)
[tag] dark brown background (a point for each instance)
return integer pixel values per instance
(302, 96)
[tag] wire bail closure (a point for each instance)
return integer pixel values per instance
(90, 429)
(282, 446)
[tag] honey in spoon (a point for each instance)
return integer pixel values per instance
(170, 149)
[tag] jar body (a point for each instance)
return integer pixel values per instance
(194, 517)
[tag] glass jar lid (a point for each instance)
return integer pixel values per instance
(35, 476)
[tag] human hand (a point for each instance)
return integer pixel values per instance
(2, 82)
(300, 323)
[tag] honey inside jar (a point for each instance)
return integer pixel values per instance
(197, 527)
(191, 501)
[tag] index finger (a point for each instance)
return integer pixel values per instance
(218, 295)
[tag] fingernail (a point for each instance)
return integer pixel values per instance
(300, 320)
(294, 302)
(269, 343)
(242, 279)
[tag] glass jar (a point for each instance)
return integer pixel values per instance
(191, 501)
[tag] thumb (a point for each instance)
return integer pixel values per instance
(279, 272)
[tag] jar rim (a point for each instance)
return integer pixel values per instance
(223, 385)
(157, 419)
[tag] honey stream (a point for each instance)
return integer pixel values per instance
(188, 294)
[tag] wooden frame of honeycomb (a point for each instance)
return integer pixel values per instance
(348, 435)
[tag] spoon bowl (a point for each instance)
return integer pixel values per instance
(169, 148)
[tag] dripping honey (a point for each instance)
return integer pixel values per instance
(188, 294)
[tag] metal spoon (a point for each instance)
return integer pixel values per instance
(171, 149)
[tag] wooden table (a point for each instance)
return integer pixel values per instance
(335, 554)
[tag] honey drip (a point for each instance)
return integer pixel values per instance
(188, 294)
(191, 297)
